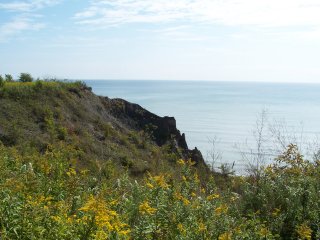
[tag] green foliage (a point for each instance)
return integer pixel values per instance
(70, 171)
(43, 196)
(46, 112)
(1, 81)
(8, 78)
(25, 77)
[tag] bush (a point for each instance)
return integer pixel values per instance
(8, 78)
(25, 77)
(1, 81)
(44, 197)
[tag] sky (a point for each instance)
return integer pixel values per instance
(218, 40)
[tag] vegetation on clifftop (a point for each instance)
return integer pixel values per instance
(77, 166)
(39, 113)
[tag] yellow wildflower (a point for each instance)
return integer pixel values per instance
(185, 201)
(304, 232)
(225, 236)
(191, 163)
(104, 217)
(71, 172)
(56, 219)
(114, 202)
(149, 185)
(181, 162)
(84, 172)
(237, 230)
(177, 195)
(196, 178)
(101, 235)
(181, 229)
(145, 208)
(263, 232)
(202, 227)
(125, 232)
(46, 208)
(222, 209)
(276, 212)
(159, 180)
(212, 196)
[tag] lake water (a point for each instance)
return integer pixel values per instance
(230, 113)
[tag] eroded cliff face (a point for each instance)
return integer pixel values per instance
(163, 130)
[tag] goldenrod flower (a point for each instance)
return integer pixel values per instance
(125, 232)
(159, 180)
(225, 236)
(181, 229)
(304, 232)
(263, 232)
(181, 162)
(190, 162)
(276, 212)
(212, 196)
(56, 219)
(71, 172)
(202, 227)
(149, 185)
(222, 209)
(104, 217)
(196, 178)
(185, 201)
(145, 208)
(46, 208)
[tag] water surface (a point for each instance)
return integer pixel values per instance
(228, 112)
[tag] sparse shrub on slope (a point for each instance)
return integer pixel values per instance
(1, 81)
(25, 77)
(8, 78)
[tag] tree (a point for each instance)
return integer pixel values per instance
(1, 81)
(25, 77)
(8, 78)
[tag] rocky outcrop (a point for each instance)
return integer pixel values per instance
(163, 130)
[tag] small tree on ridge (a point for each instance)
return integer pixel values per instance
(8, 78)
(25, 77)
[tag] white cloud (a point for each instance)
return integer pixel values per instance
(17, 26)
(24, 17)
(27, 6)
(263, 13)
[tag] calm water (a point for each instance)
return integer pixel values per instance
(228, 112)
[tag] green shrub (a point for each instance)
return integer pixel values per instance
(25, 77)
(8, 78)
(1, 81)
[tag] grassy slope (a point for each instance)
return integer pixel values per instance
(41, 113)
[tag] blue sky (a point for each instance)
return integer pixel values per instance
(221, 40)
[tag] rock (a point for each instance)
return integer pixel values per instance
(163, 130)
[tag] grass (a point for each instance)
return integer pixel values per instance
(37, 114)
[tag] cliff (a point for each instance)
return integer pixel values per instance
(37, 115)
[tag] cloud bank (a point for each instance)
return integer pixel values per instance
(25, 16)
(262, 13)
(27, 6)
